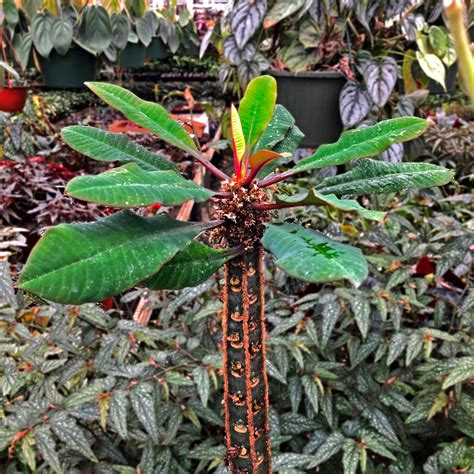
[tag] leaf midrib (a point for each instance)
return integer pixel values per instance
(115, 247)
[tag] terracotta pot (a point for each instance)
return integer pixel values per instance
(13, 99)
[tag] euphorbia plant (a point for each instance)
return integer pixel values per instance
(77, 263)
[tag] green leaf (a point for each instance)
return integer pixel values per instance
(371, 176)
(432, 66)
(41, 30)
(149, 115)
(61, 35)
(106, 146)
(90, 392)
(47, 447)
(376, 444)
(311, 391)
(77, 263)
(66, 429)
(397, 346)
(144, 407)
(274, 136)
(95, 29)
(313, 257)
(118, 412)
(331, 446)
(281, 10)
(361, 310)
(331, 312)
(463, 371)
(439, 40)
(380, 422)
(256, 108)
(203, 383)
(364, 142)
(350, 458)
(312, 197)
(131, 186)
(189, 267)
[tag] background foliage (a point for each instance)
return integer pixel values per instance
(377, 377)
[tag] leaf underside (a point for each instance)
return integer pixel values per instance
(312, 197)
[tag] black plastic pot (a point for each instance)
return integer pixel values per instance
(132, 56)
(157, 49)
(313, 100)
(69, 71)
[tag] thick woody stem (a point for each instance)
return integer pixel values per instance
(245, 378)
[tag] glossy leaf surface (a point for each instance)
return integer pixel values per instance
(131, 186)
(189, 267)
(310, 256)
(371, 176)
(238, 140)
(364, 142)
(256, 108)
(331, 200)
(107, 146)
(149, 115)
(78, 263)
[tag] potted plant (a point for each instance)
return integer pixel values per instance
(68, 41)
(77, 263)
(142, 27)
(13, 90)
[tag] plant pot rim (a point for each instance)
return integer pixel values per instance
(6, 86)
(306, 74)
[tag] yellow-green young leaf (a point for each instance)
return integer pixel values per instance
(189, 267)
(130, 186)
(149, 115)
(104, 405)
(313, 198)
(256, 108)
(106, 146)
(371, 176)
(439, 403)
(310, 256)
(364, 142)
(79, 263)
(433, 67)
(238, 140)
(264, 157)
